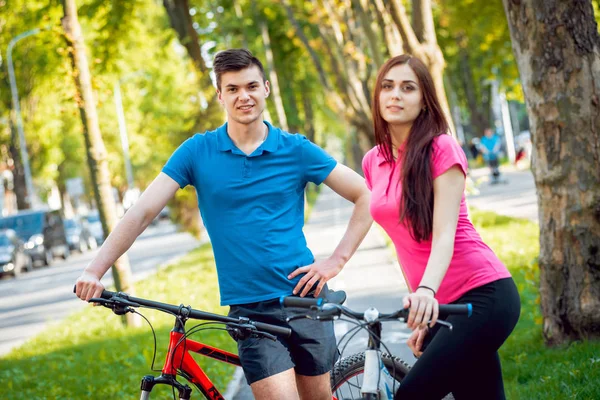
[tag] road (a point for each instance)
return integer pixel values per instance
(515, 197)
(45, 295)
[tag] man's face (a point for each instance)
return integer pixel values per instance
(243, 94)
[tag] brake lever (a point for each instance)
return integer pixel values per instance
(120, 307)
(301, 316)
(243, 331)
(445, 324)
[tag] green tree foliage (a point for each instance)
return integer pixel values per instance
(131, 42)
(475, 39)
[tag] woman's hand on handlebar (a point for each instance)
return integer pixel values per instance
(88, 286)
(423, 308)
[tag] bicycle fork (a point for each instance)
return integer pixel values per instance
(149, 381)
(374, 385)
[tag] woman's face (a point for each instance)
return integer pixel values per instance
(401, 98)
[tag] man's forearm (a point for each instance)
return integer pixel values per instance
(358, 227)
(118, 242)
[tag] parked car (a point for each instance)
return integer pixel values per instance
(79, 236)
(13, 258)
(95, 226)
(43, 233)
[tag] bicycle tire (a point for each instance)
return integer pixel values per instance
(352, 366)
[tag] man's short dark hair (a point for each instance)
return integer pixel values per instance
(235, 60)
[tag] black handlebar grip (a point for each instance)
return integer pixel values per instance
(106, 294)
(456, 309)
(274, 329)
(304, 302)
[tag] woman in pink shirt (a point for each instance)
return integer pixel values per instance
(416, 175)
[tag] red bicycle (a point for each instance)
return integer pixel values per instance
(178, 360)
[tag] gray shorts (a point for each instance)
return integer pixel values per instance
(311, 349)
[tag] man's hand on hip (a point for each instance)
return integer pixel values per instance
(319, 272)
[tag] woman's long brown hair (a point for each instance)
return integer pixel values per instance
(416, 205)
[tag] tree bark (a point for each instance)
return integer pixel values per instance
(557, 47)
(95, 149)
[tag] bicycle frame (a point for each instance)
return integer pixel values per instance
(179, 359)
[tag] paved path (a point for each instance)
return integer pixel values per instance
(373, 277)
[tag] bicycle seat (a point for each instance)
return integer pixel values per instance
(334, 296)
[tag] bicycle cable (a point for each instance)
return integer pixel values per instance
(187, 333)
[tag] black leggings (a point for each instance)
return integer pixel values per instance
(465, 361)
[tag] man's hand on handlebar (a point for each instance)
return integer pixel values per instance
(88, 286)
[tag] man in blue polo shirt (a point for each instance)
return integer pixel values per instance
(250, 178)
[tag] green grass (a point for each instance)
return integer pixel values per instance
(532, 370)
(92, 356)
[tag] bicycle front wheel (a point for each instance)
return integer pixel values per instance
(347, 376)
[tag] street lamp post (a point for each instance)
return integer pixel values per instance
(132, 193)
(31, 198)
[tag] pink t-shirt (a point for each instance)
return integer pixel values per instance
(473, 263)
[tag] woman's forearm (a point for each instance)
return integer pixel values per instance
(439, 261)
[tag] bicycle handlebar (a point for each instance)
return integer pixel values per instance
(333, 309)
(124, 299)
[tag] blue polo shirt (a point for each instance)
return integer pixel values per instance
(252, 207)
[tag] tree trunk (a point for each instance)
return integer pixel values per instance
(557, 47)
(365, 23)
(181, 21)
(421, 42)
(478, 121)
(272, 74)
(95, 149)
(393, 40)
(20, 187)
(309, 116)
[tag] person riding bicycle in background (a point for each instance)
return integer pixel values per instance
(416, 174)
(250, 178)
(490, 145)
